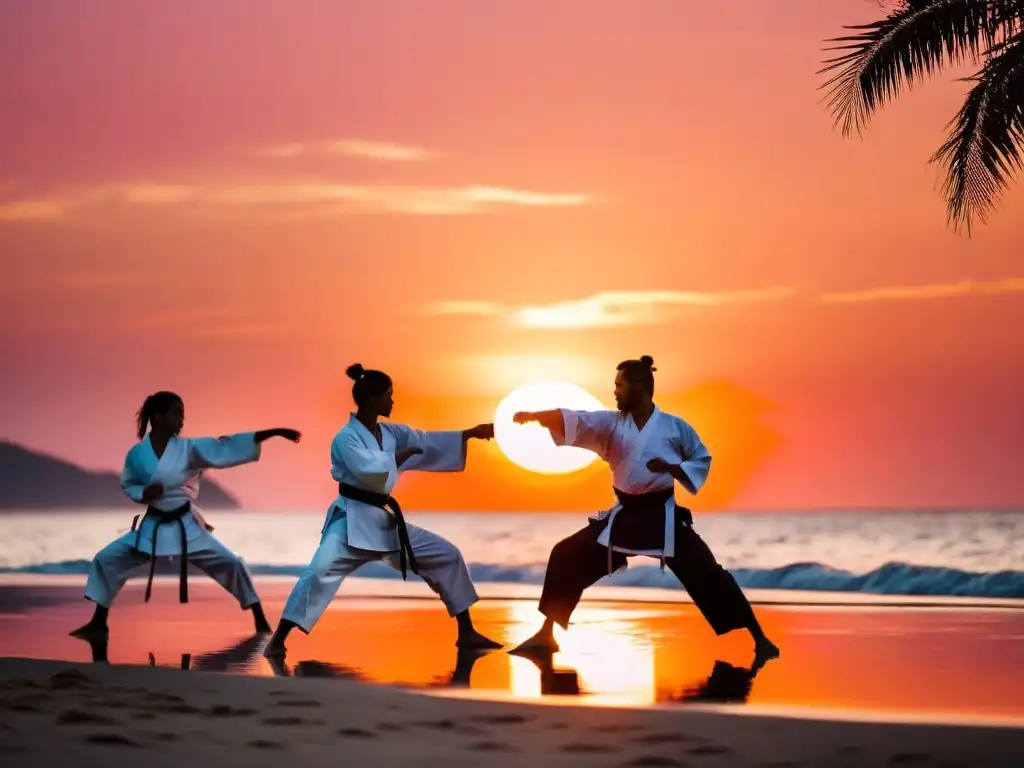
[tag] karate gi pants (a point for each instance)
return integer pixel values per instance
(113, 564)
(578, 562)
(440, 564)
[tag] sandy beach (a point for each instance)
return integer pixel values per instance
(635, 684)
(59, 714)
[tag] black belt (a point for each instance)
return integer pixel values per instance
(406, 558)
(166, 516)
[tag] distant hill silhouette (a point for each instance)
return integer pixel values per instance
(31, 480)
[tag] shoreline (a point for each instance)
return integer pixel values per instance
(395, 589)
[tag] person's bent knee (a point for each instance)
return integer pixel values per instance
(562, 549)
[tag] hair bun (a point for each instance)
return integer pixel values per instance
(355, 371)
(648, 361)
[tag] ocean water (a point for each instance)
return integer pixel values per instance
(914, 553)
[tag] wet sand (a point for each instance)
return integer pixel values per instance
(846, 678)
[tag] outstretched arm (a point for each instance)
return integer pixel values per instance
(590, 430)
(439, 451)
(552, 421)
(233, 450)
(288, 434)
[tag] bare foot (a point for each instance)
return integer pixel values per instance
(474, 641)
(278, 666)
(90, 630)
(540, 643)
(764, 651)
(275, 650)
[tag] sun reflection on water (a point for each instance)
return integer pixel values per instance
(609, 650)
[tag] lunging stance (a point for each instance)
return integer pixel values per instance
(647, 450)
(365, 523)
(162, 472)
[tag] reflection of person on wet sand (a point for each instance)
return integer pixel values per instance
(647, 451)
(555, 682)
(234, 658)
(460, 676)
(312, 668)
(726, 683)
(186, 660)
(162, 471)
(239, 656)
(98, 645)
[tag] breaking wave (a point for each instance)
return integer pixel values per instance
(890, 579)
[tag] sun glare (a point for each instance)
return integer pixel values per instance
(530, 445)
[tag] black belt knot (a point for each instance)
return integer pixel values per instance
(406, 557)
(166, 516)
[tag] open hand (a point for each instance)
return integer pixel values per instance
(658, 465)
(523, 417)
(290, 434)
(480, 432)
(152, 492)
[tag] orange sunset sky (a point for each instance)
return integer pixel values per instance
(237, 199)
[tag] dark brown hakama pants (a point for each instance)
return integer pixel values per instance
(578, 562)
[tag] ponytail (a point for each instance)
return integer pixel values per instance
(143, 416)
(155, 404)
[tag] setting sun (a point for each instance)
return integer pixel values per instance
(530, 445)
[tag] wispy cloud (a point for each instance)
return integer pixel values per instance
(315, 197)
(361, 148)
(31, 210)
(924, 292)
(624, 308)
(612, 308)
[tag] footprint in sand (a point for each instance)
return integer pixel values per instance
(708, 749)
(904, 758)
(226, 710)
(614, 728)
(389, 726)
(491, 746)
(176, 709)
(661, 738)
(584, 748)
(77, 717)
(450, 725)
(24, 707)
(290, 720)
(653, 760)
(298, 703)
(110, 739)
(357, 733)
(266, 744)
(164, 697)
(500, 719)
(69, 678)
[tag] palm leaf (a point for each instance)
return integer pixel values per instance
(986, 144)
(917, 39)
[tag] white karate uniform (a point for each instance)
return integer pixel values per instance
(613, 435)
(355, 533)
(178, 470)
